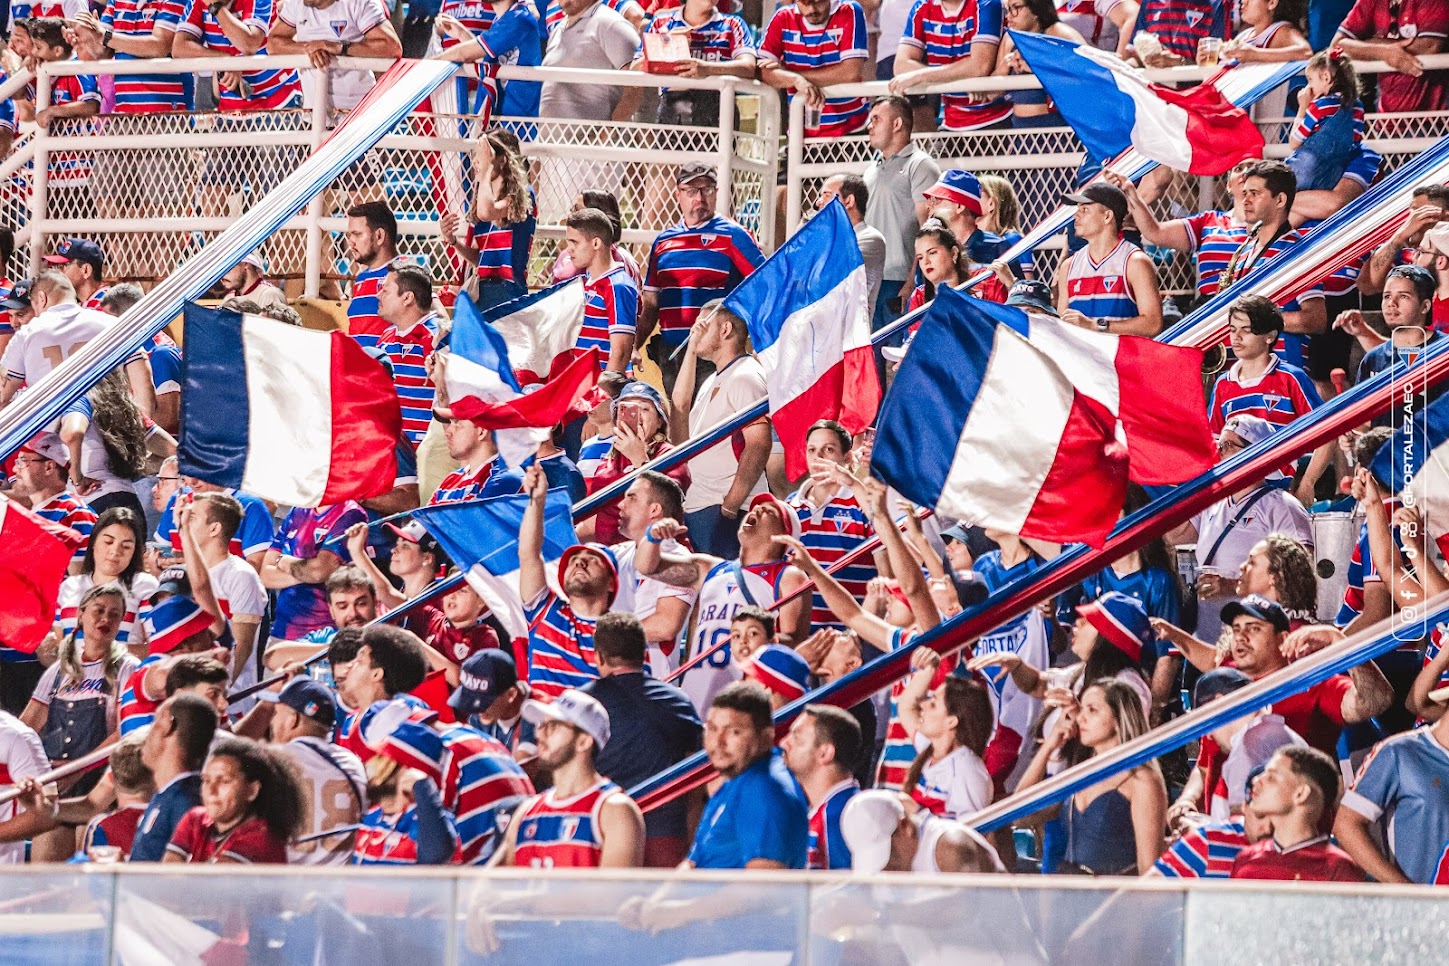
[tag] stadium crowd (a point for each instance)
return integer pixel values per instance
(682, 620)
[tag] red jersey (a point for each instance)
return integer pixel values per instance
(1312, 861)
(562, 834)
(457, 644)
(116, 828)
(196, 840)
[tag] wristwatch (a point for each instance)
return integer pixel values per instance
(106, 34)
(1103, 325)
(345, 49)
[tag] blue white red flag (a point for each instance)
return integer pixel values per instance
(483, 386)
(37, 555)
(1112, 107)
(481, 538)
(294, 416)
(541, 330)
(982, 426)
(1415, 463)
(810, 325)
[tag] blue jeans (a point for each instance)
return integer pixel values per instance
(884, 315)
(710, 531)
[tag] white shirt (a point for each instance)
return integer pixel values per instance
(21, 756)
(1276, 512)
(737, 387)
(960, 779)
(346, 22)
(334, 785)
(640, 596)
(50, 338)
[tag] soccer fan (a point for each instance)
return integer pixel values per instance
(611, 306)
(389, 662)
(584, 820)
(225, 585)
(1260, 383)
(458, 630)
(109, 440)
(1428, 206)
(1111, 285)
(1179, 27)
(1398, 798)
(505, 214)
(114, 556)
(324, 30)
(591, 34)
(236, 28)
(251, 805)
(254, 534)
(1399, 35)
(416, 559)
(31, 816)
(1297, 793)
(481, 471)
(641, 433)
(956, 201)
(351, 603)
(405, 303)
(760, 575)
(561, 629)
(690, 264)
(408, 825)
(720, 45)
(80, 261)
(939, 257)
(175, 749)
(855, 198)
(40, 479)
(507, 32)
(724, 477)
(653, 726)
(1031, 108)
(489, 699)
(247, 279)
(950, 724)
(896, 180)
(1105, 24)
(887, 832)
(941, 45)
(371, 237)
(298, 564)
(133, 785)
(821, 750)
(779, 670)
(203, 676)
(812, 44)
(1408, 303)
(176, 627)
(332, 781)
(832, 522)
(163, 354)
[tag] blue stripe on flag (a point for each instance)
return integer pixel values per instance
(1100, 113)
(928, 404)
(215, 410)
(803, 271)
(1408, 452)
(484, 533)
(477, 341)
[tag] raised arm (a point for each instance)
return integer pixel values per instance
(531, 578)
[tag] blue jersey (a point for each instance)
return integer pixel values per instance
(165, 358)
(1404, 785)
(363, 322)
(514, 38)
(688, 267)
(561, 472)
(253, 536)
(759, 814)
(481, 784)
(163, 814)
(827, 845)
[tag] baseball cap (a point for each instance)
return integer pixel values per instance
(957, 533)
(602, 551)
(1218, 682)
(174, 581)
(575, 708)
(895, 353)
(19, 297)
(1031, 294)
(1122, 620)
(693, 171)
(481, 679)
(642, 392)
(1256, 605)
(255, 261)
(78, 250)
(780, 670)
(869, 820)
(787, 514)
(417, 534)
(1253, 429)
(48, 446)
(173, 621)
(958, 187)
(1106, 195)
(311, 699)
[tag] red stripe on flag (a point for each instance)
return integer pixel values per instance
(366, 424)
(848, 392)
(37, 554)
(1163, 411)
(554, 402)
(1220, 133)
(1084, 490)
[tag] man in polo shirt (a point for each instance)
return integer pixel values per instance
(592, 36)
(896, 180)
(80, 260)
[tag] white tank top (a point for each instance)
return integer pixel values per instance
(930, 828)
(719, 597)
(334, 786)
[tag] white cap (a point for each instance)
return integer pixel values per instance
(869, 820)
(1436, 240)
(572, 708)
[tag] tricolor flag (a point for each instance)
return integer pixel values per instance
(1112, 107)
(483, 387)
(983, 426)
(37, 554)
(1415, 464)
(541, 330)
(810, 325)
(1153, 388)
(294, 416)
(481, 537)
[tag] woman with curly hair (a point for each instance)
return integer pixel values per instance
(504, 215)
(106, 434)
(251, 805)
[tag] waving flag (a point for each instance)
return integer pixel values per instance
(294, 416)
(37, 554)
(1415, 463)
(983, 426)
(481, 537)
(1113, 108)
(541, 330)
(483, 388)
(810, 324)
(1154, 388)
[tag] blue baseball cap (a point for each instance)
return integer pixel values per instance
(481, 679)
(641, 392)
(311, 699)
(1122, 620)
(780, 670)
(1256, 605)
(1031, 294)
(78, 250)
(958, 187)
(19, 295)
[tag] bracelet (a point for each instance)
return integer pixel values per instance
(345, 49)
(649, 536)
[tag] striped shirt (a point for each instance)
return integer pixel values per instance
(503, 250)
(558, 833)
(253, 536)
(165, 358)
(64, 10)
(408, 352)
(363, 322)
(592, 454)
(69, 168)
(797, 45)
(1180, 24)
(69, 510)
(829, 532)
(688, 267)
(611, 307)
(137, 710)
(481, 785)
(827, 844)
(1204, 852)
(900, 749)
(560, 647)
(263, 90)
(945, 37)
(138, 603)
(1100, 290)
(492, 478)
(722, 38)
(1280, 395)
(476, 15)
(1215, 235)
(136, 20)
(1321, 109)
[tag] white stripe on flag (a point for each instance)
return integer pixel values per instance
(1087, 359)
(1160, 130)
(466, 378)
(543, 331)
(289, 432)
(813, 340)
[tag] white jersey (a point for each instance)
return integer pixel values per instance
(240, 593)
(345, 22)
(956, 786)
(1093, 20)
(21, 756)
(930, 828)
(334, 786)
(1102, 290)
(50, 338)
(1028, 639)
(640, 596)
(719, 597)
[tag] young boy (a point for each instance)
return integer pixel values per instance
(1297, 793)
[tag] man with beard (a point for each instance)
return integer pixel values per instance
(372, 243)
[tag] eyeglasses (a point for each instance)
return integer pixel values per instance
(698, 192)
(168, 479)
(1015, 7)
(30, 460)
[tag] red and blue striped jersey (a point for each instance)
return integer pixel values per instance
(138, 603)
(1280, 395)
(136, 20)
(476, 15)
(611, 307)
(164, 356)
(1321, 109)
(503, 250)
(463, 484)
(592, 453)
(1100, 290)
(391, 840)
(69, 168)
(1180, 24)
(560, 647)
(363, 322)
(796, 45)
(722, 38)
(827, 845)
(481, 785)
(265, 90)
(690, 266)
(408, 351)
(1204, 852)
(944, 38)
(64, 10)
(137, 710)
(558, 833)
(69, 510)
(829, 532)
(1215, 235)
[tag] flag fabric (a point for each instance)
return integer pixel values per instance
(298, 417)
(484, 387)
(541, 330)
(37, 554)
(810, 325)
(1153, 388)
(1112, 107)
(1414, 462)
(984, 427)
(481, 538)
